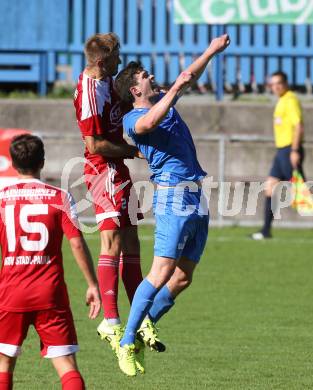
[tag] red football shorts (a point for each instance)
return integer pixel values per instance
(55, 328)
(110, 187)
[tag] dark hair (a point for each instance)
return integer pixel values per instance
(126, 79)
(27, 153)
(282, 75)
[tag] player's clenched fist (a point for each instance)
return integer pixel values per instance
(220, 43)
(183, 80)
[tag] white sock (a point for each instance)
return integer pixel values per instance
(113, 321)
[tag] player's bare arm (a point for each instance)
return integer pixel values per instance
(99, 145)
(83, 258)
(217, 45)
(158, 111)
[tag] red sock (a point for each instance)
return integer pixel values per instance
(130, 271)
(72, 380)
(6, 381)
(108, 284)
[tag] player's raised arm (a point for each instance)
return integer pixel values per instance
(217, 45)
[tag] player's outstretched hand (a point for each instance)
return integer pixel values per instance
(220, 43)
(183, 80)
(93, 301)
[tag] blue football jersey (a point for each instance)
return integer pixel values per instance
(169, 149)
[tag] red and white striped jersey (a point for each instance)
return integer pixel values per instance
(33, 218)
(99, 112)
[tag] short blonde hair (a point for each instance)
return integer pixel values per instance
(100, 46)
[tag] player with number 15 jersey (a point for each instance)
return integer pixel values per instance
(34, 218)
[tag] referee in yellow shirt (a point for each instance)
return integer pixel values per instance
(288, 132)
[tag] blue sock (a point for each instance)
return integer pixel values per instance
(162, 303)
(141, 304)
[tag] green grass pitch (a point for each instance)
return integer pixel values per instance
(245, 323)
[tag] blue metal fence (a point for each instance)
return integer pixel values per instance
(32, 32)
(53, 32)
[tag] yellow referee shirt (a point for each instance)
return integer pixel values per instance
(287, 115)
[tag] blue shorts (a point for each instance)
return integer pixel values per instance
(182, 222)
(282, 168)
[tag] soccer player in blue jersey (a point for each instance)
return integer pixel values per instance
(181, 222)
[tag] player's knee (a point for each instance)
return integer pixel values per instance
(113, 249)
(7, 363)
(269, 187)
(159, 281)
(64, 364)
(268, 192)
(159, 277)
(180, 281)
(183, 281)
(111, 243)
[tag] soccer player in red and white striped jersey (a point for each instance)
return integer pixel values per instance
(34, 218)
(99, 114)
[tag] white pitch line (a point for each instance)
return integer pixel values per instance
(269, 241)
(231, 239)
